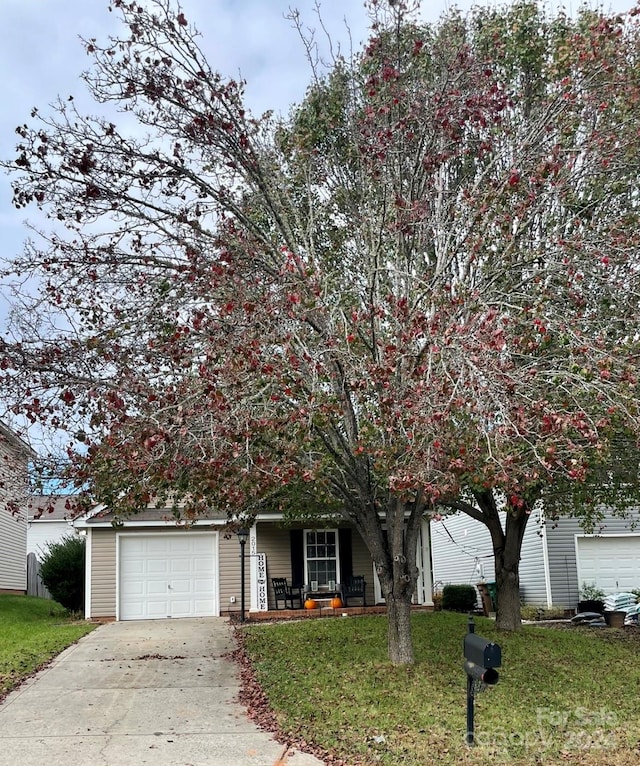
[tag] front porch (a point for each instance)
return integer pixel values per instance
(326, 559)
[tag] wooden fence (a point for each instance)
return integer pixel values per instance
(35, 586)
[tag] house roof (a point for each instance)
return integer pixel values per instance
(50, 508)
(12, 438)
(148, 514)
(152, 515)
(101, 516)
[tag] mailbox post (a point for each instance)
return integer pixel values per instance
(481, 658)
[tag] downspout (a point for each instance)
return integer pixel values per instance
(87, 574)
(545, 560)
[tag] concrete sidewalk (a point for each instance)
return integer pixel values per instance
(130, 693)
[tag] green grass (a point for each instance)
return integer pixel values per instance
(564, 696)
(32, 631)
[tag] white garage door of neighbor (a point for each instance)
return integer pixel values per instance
(167, 575)
(612, 563)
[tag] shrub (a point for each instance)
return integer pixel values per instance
(591, 592)
(62, 571)
(531, 613)
(459, 598)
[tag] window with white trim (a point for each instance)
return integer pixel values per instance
(321, 556)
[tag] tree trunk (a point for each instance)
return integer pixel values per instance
(507, 548)
(508, 616)
(399, 640)
(507, 566)
(393, 550)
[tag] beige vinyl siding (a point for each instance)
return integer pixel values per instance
(362, 565)
(229, 574)
(13, 550)
(274, 541)
(13, 527)
(103, 573)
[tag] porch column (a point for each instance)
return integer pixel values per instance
(423, 559)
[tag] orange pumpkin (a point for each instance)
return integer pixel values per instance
(336, 603)
(310, 604)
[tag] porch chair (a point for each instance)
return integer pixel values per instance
(286, 593)
(355, 587)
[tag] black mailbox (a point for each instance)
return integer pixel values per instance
(481, 658)
(481, 652)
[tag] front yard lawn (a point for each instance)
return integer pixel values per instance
(564, 696)
(32, 631)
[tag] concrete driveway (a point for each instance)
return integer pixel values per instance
(155, 692)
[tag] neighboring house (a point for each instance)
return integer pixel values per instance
(49, 521)
(15, 455)
(150, 567)
(557, 557)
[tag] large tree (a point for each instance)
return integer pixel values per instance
(416, 292)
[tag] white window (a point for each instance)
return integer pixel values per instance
(321, 556)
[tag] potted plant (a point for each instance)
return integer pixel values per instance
(591, 598)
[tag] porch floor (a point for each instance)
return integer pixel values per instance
(301, 614)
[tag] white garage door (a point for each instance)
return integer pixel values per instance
(167, 575)
(612, 563)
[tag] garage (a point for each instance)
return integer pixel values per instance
(612, 562)
(167, 575)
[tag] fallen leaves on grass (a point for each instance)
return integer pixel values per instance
(259, 710)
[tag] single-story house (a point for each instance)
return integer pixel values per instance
(49, 521)
(557, 556)
(149, 566)
(15, 455)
